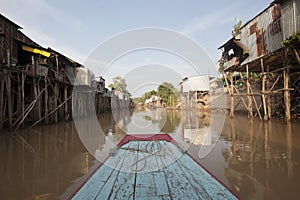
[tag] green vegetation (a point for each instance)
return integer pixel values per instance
(145, 96)
(236, 28)
(120, 84)
(166, 91)
(294, 39)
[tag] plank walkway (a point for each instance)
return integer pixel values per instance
(155, 169)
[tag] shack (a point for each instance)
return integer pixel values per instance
(194, 92)
(37, 83)
(266, 59)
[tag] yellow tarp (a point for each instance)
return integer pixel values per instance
(37, 51)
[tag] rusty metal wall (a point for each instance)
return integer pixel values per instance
(290, 17)
(263, 34)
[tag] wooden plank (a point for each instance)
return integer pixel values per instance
(178, 186)
(96, 183)
(206, 186)
(161, 184)
(203, 181)
(123, 186)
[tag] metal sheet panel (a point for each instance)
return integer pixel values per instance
(290, 11)
(263, 35)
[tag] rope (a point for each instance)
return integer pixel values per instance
(152, 148)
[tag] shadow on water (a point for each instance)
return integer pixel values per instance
(256, 160)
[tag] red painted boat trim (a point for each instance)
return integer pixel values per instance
(86, 180)
(148, 137)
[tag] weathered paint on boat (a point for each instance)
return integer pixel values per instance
(151, 167)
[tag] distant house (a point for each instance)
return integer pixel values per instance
(153, 102)
(194, 92)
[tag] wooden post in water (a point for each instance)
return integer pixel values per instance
(269, 94)
(287, 101)
(56, 91)
(250, 112)
(231, 96)
(46, 100)
(66, 104)
(286, 80)
(8, 91)
(1, 102)
(263, 90)
(23, 95)
(39, 102)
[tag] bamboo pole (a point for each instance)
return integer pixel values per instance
(250, 108)
(263, 89)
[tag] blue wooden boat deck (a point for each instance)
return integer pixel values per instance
(155, 169)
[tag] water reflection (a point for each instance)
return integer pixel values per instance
(256, 160)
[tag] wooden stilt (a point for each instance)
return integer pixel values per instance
(269, 95)
(39, 102)
(250, 112)
(287, 101)
(263, 90)
(23, 95)
(55, 101)
(46, 101)
(1, 102)
(55, 110)
(35, 93)
(66, 104)
(231, 97)
(8, 91)
(286, 80)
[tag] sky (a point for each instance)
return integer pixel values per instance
(78, 28)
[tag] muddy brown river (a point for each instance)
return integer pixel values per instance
(256, 160)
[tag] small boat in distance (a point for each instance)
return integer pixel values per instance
(151, 167)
